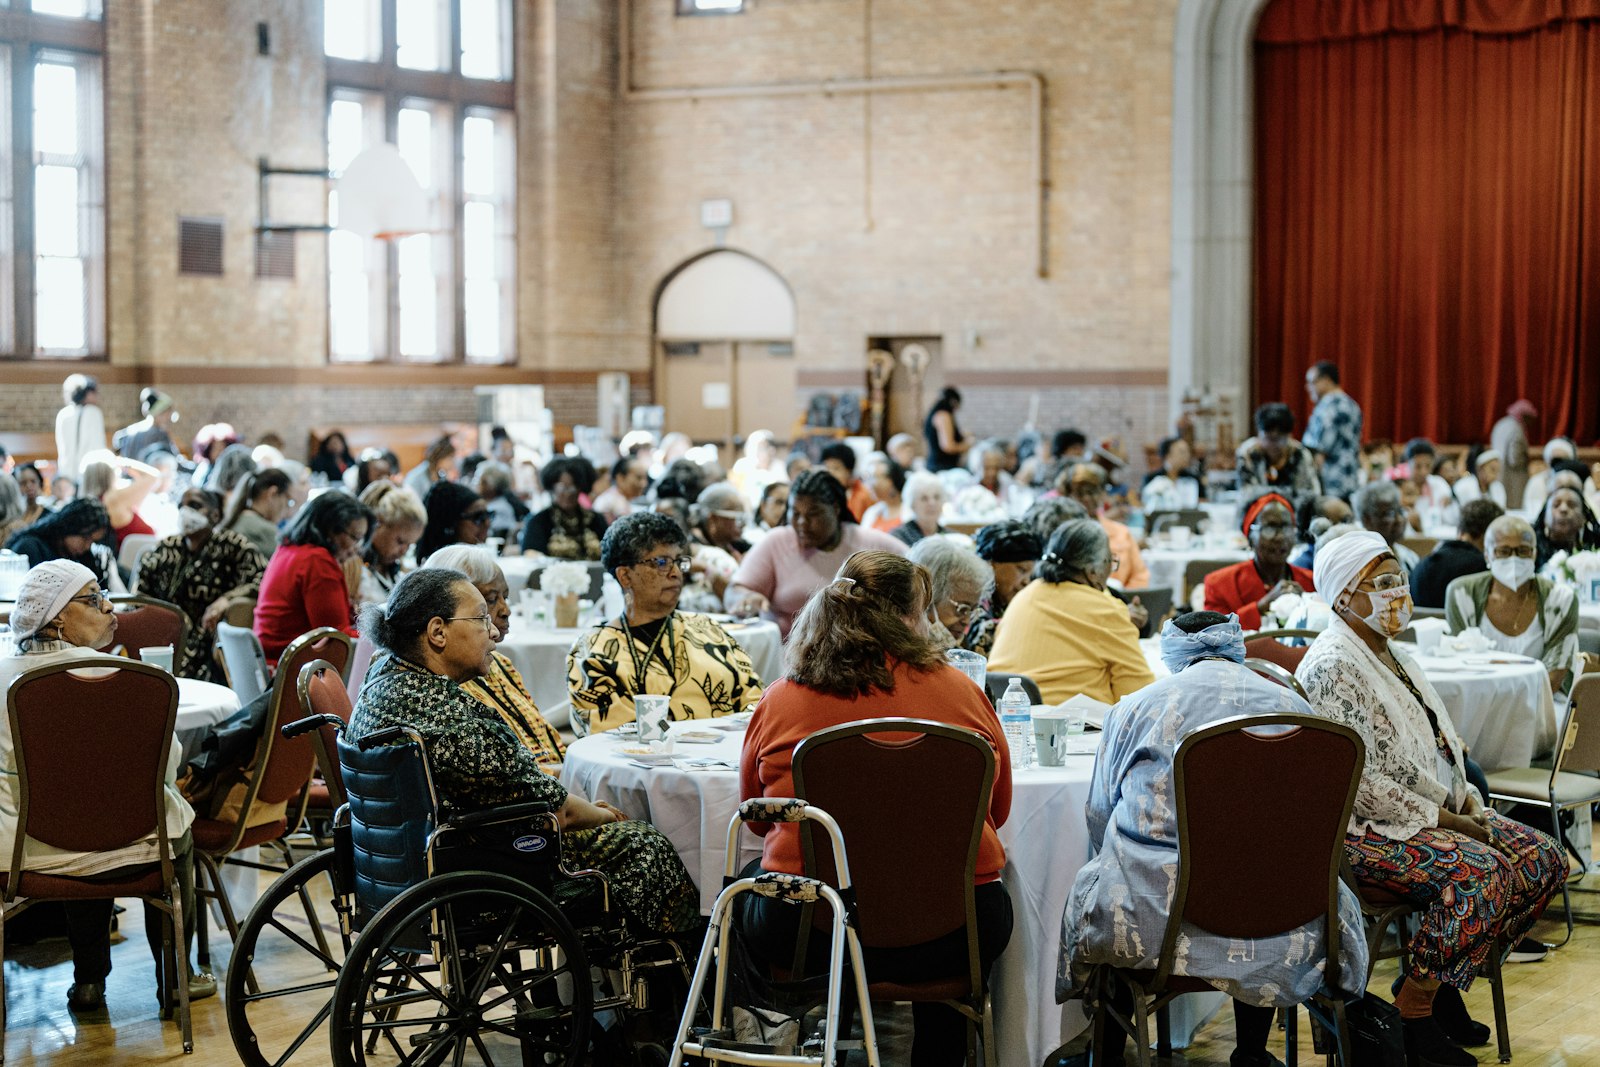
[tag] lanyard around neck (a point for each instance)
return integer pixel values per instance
(641, 669)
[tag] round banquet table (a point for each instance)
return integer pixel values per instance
(1046, 840)
(1500, 703)
(1168, 564)
(201, 705)
(540, 656)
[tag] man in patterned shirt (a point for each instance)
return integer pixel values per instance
(1334, 432)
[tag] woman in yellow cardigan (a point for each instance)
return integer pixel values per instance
(1065, 631)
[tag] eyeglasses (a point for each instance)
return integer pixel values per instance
(1273, 529)
(1507, 551)
(664, 563)
(1383, 583)
(962, 611)
(737, 516)
(488, 623)
(476, 517)
(99, 598)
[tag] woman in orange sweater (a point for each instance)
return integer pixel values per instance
(860, 649)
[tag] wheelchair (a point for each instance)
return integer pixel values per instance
(428, 936)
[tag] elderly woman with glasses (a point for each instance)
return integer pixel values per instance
(1515, 609)
(501, 686)
(438, 635)
(961, 582)
(1065, 631)
(652, 647)
(61, 616)
(1248, 589)
(1419, 829)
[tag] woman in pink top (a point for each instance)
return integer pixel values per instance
(860, 650)
(779, 575)
(312, 578)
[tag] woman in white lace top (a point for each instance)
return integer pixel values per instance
(1419, 830)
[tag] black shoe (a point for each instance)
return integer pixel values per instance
(86, 997)
(1253, 1059)
(1528, 950)
(1427, 1046)
(1460, 1027)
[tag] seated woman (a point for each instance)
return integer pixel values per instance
(35, 501)
(772, 511)
(201, 570)
(860, 650)
(456, 516)
(1565, 525)
(1117, 913)
(653, 647)
(887, 480)
(62, 615)
(313, 577)
(566, 529)
(333, 458)
(1065, 631)
(961, 581)
(1483, 481)
(794, 561)
(1173, 485)
(257, 507)
(1517, 611)
(398, 521)
(122, 485)
(719, 516)
(1012, 549)
(494, 482)
(501, 687)
(1248, 589)
(437, 635)
(74, 531)
(1419, 829)
(925, 498)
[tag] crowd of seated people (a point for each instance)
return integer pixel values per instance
(870, 572)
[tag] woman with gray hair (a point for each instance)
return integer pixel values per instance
(925, 498)
(494, 483)
(501, 686)
(1065, 631)
(1048, 513)
(1514, 608)
(1378, 507)
(961, 581)
(719, 515)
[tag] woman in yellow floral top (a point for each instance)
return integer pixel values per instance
(501, 687)
(652, 647)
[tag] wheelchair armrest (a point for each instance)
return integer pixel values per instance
(314, 722)
(503, 813)
(773, 809)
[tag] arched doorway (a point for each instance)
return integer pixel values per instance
(724, 347)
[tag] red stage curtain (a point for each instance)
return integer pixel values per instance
(1428, 209)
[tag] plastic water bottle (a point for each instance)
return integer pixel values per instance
(1016, 721)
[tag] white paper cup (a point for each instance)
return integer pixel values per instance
(159, 655)
(1178, 537)
(653, 713)
(1050, 736)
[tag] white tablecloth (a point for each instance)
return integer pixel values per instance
(1588, 616)
(1168, 564)
(1504, 712)
(201, 705)
(1046, 841)
(540, 656)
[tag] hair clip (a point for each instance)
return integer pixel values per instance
(848, 582)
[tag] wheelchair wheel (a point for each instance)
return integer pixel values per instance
(466, 968)
(284, 965)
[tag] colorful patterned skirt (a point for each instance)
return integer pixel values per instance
(647, 878)
(1472, 892)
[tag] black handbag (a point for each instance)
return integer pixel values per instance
(1377, 1036)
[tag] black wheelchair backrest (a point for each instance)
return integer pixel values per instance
(393, 813)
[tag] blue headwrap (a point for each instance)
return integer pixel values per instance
(1225, 640)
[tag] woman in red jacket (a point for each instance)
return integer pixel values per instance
(1248, 589)
(308, 583)
(860, 649)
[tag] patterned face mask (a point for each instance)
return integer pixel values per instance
(1391, 611)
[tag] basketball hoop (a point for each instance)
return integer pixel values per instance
(379, 198)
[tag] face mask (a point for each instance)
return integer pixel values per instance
(1391, 611)
(1512, 572)
(192, 520)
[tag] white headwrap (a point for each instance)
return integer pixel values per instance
(1561, 445)
(44, 594)
(1488, 455)
(1339, 562)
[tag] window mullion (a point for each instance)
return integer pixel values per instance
(458, 204)
(25, 268)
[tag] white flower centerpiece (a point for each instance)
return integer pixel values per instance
(1295, 612)
(1580, 570)
(565, 581)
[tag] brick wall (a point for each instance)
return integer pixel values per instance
(906, 214)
